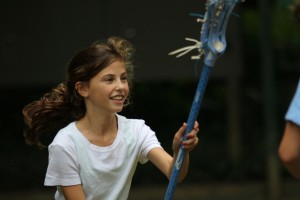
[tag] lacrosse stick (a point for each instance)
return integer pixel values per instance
(212, 44)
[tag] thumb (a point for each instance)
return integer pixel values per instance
(178, 137)
(180, 132)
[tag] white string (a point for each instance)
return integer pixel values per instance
(184, 50)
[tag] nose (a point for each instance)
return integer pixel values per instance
(120, 84)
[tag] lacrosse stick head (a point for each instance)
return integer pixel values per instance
(213, 33)
(212, 42)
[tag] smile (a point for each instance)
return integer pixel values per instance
(117, 98)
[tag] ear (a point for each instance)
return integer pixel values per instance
(82, 89)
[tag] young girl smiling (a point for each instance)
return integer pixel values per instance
(95, 151)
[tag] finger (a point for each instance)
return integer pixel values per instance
(196, 125)
(190, 144)
(178, 137)
(190, 141)
(179, 134)
(193, 133)
(190, 135)
(181, 130)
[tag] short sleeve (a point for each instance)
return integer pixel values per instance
(293, 113)
(62, 167)
(150, 141)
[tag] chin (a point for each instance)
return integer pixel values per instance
(119, 109)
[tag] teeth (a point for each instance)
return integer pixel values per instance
(117, 98)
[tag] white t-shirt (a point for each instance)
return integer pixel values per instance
(104, 172)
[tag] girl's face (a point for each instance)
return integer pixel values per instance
(108, 90)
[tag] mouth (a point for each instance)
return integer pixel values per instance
(118, 98)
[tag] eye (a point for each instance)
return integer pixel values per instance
(109, 79)
(124, 78)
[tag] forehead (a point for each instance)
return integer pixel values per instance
(115, 67)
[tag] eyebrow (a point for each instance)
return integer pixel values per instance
(124, 73)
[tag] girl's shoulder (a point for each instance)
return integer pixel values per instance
(130, 123)
(136, 127)
(65, 136)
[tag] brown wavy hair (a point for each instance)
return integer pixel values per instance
(63, 104)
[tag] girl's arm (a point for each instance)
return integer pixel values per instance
(163, 161)
(289, 149)
(74, 192)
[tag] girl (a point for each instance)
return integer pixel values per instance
(95, 152)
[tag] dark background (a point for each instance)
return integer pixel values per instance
(242, 115)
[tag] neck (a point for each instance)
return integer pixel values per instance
(100, 132)
(100, 126)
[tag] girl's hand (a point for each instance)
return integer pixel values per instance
(191, 138)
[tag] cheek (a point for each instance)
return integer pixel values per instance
(100, 91)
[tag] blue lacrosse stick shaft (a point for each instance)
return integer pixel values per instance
(190, 125)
